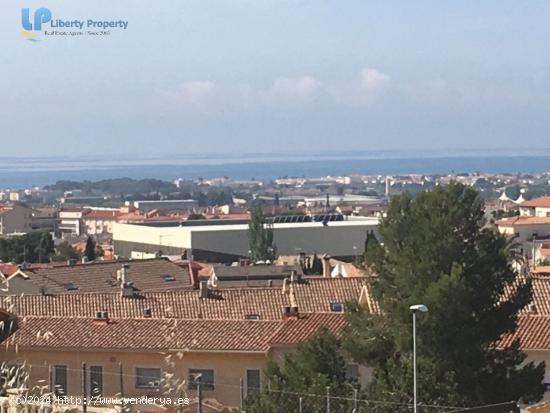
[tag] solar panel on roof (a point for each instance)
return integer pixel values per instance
(168, 277)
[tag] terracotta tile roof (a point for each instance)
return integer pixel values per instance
(181, 319)
(145, 334)
(541, 202)
(523, 220)
(541, 295)
(102, 214)
(234, 304)
(313, 296)
(316, 294)
(541, 269)
(533, 333)
(174, 334)
(102, 277)
(294, 331)
(542, 407)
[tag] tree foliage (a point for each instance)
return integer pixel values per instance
(90, 249)
(260, 237)
(306, 372)
(438, 251)
(32, 247)
(65, 252)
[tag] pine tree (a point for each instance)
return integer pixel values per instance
(438, 251)
(313, 366)
(89, 250)
(260, 237)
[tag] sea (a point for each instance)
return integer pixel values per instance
(20, 173)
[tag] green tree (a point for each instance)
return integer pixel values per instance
(260, 237)
(90, 249)
(65, 252)
(45, 247)
(313, 366)
(438, 251)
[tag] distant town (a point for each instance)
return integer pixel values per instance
(100, 280)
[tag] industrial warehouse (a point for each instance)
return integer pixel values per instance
(227, 240)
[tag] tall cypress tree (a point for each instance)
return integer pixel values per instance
(438, 251)
(260, 237)
(89, 251)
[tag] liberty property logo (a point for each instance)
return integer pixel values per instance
(41, 16)
(41, 23)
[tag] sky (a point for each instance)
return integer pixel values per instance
(299, 76)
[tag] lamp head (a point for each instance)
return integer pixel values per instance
(419, 308)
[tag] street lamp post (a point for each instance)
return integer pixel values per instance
(416, 309)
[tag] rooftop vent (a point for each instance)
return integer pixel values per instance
(252, 317)
(147, 312)
(168, 277)
(204, 291)
(290, 312)
(127, 290)
(70, 286)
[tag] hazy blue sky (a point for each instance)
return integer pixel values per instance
(262, 75)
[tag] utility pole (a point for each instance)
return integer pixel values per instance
(121, 382)
(242, 393)
(534, 250)
(84, 381)
(300, 405)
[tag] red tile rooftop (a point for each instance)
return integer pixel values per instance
(540, 202)
(523, 220)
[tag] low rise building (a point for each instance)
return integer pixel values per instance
(166, 204)
(137, 344)
(141, 275)
(15, 219)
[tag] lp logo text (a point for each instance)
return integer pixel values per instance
(33, 27)
(41, 16)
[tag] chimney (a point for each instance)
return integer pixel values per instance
(193, 273)
(293, 277)
(325, 260)
(204, 291)
(285, 286)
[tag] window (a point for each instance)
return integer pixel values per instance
(147, 377)
(253, 384)
(206, 379)
(95, 377)
(337, 307)
(59, 380)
